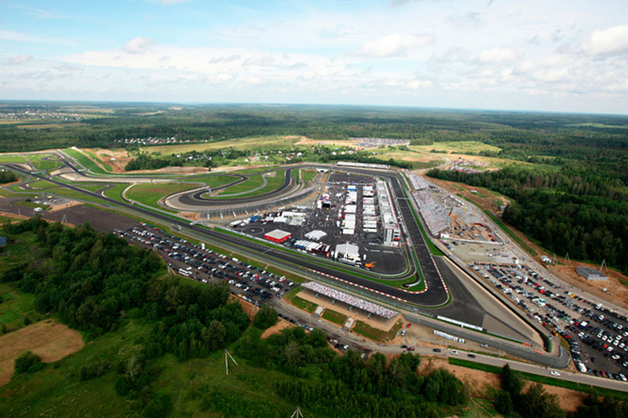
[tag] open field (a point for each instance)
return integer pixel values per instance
(250, 184)
(42, 184)
(11, 159)
(375, 334)
(49, 340)
(84, 160)
(458, 147)
(15, 307)
(150, 194)
(335, 317)
(266, 142)
(50, 125)
(190, 385)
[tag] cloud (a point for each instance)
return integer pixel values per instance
(420, 84)
(39, 13)
(7, 35)
(497, 56)
(393, 45)
(138, 45)
(608, 42)
(224, 60)
(259, 61)
(20, 59)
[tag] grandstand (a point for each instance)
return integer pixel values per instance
(433, 214)
(368, 307)
(418, 182)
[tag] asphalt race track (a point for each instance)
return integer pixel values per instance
(196, 198)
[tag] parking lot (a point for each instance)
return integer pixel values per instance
(597, 337)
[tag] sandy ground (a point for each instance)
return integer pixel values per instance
(49, 340)
(54, 208)
(482, 382)
(279, 326)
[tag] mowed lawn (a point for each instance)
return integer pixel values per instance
(150, 193)
(15, 307)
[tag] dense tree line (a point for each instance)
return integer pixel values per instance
(7, 177)
(350, 385)
(534, 402)
(579, 212)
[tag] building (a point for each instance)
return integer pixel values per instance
(348, 253)
(278, 236)
(591, 274)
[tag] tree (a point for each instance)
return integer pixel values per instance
(214, 336)
(503, 404)
(28, 362)
(266, 317)
(511, 382)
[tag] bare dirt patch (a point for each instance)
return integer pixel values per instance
(277, 328)
(483, 383)
(49, 340)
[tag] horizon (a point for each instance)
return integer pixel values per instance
(35, 102)
(502, 55)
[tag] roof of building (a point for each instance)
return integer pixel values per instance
(588, 271)
(278, 234)
(348, 249)
(316, 235)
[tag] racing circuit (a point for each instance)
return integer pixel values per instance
(446, 292)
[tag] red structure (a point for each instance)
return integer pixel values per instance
(278, 236)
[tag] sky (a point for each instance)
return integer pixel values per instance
(537, 55)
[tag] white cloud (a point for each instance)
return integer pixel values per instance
(497, 56)
(608, 42)
(224, 60)
(420, 84)
(395, 44)
(20, 59)
(260, 60)
(139, 45)
(7, 35)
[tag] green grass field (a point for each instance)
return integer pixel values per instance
(335, 317)
(85, 161)
(212, 180)
(11, 159)
(252, 182)
(458, 147)
(150, 193)
(95, 158)
(15, 307)
(303, 304)
(116, 192)
(308, 175)
(272, 183)
(39, 162)
(42, 184)
(375, 334)
(266, 142)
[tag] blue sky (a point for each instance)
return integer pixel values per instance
(558, 55)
